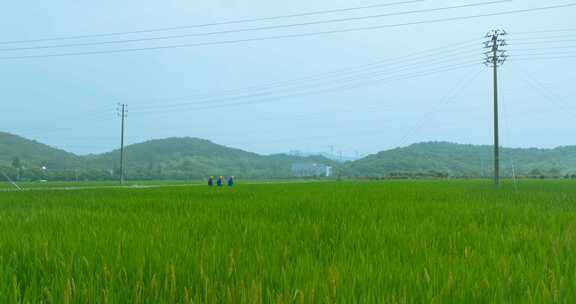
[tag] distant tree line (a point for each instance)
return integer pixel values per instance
(37, 174)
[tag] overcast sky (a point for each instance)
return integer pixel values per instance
(233, 94)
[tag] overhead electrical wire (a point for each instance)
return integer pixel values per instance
(445, 50)
(372, 71)
(266, 98)
(332, 82)
(520, 54)
(264, 28)
(330, 11)
(550, 96)
(541, 42)
(542, 58)
(546, 31)
(517, 56)
(523, 51)
(416, 55)
(287, 36)
(512, 38)
(410, 58)
(543, 48)
(308, 93)
(328, 90)
(184, 27)
(445, 100)
(345, 77)
(370, 74)
(449, 68)
(453, 93)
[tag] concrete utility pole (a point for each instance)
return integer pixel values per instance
(122, 113)
(495, 57)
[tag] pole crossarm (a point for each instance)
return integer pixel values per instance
(495, 56)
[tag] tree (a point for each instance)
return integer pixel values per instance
(17, 164)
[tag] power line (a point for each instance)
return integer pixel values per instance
(545, 48)
(273, 99)
(372, 70)
(342, 87)
(540, 42)
(542, 37)
(545, 31)
(445, 100)
(541, 58)
(346, 79)
(249, 20)
(410, 57)
(273, 27)
(521, 55)
(326, 75)
(545, 92)
(310, 34)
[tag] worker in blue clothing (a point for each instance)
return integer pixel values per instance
(211, 181)
(231, 181)
(220, 181)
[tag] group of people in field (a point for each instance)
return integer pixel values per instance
(220, 181)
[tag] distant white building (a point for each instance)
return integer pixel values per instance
(328, 171)
(311, 170)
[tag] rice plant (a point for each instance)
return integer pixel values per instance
(385, 242)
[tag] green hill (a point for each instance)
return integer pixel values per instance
(172, 158)
(192, 158)
(31, 154)
(442, 158)
(184, 158)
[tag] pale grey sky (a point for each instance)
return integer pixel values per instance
(68, 102)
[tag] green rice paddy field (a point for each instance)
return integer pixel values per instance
(381, 242)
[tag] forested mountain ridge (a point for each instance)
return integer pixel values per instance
(458, 160)
(193, 158)
(19, 151)
(171, 158)
(184, 158)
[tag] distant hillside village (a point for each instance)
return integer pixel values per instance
(195, 159)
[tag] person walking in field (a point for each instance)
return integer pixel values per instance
(211, 181)
(220, 181)
(231, 181)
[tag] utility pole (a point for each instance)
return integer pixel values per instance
(122, 113)
(514, 175)
(495, 57)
